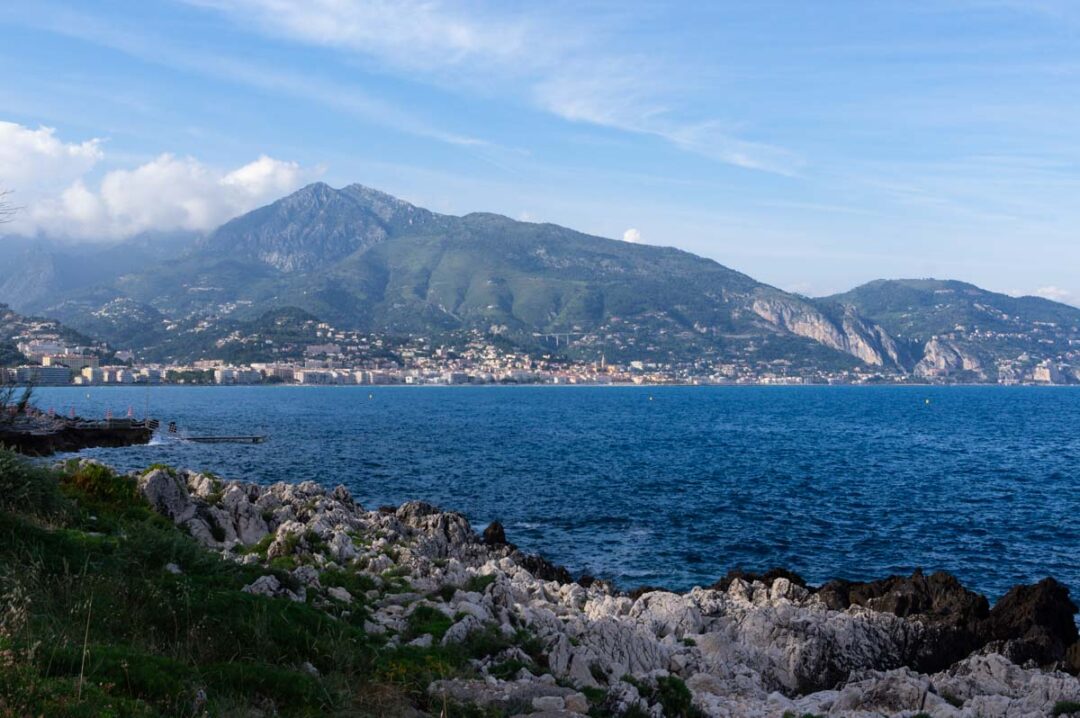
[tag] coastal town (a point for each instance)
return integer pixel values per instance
(293, 347)
(350, 358)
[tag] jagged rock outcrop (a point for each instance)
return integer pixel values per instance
(850, 334)
(942, 357)
(751, 645)
(1034, 623)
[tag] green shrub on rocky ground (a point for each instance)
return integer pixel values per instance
(93, 624)
(672, 695)
(1066, 708)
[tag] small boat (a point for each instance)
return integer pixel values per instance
(256, 439)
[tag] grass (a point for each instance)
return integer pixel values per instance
(91, 623)
(27, 488)
(425, 619)
(478, 584)
(1064, 708)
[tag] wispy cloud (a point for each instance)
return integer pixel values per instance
(419, 34)
(143, 45)
(563, 67)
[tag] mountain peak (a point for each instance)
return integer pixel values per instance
(315, 226)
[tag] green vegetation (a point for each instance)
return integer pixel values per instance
(478, 584)
(425, 619)
(671, 693)
(92, 623)
(10, 354)
(191, 376)
(400, 271)
(25, 488)
(1065, 708)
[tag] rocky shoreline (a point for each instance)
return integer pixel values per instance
(44, 436)
(750, 645)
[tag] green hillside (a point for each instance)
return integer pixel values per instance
(362, 260)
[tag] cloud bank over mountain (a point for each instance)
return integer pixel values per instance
(69, 189)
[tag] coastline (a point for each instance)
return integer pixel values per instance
(697, 439)
(589, 385)
(750, 645)
(208, 597)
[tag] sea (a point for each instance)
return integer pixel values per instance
(671, 486)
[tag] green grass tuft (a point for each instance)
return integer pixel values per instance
(479, 584)
(1064, 708)
(425, 619)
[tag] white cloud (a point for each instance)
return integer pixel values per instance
(1053, 293)
(265, 177)
(31, 158)
(632, 235)
(166, 193)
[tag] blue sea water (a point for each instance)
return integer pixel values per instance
(674, 486)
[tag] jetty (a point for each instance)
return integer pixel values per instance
(252, 439)
(41, 436)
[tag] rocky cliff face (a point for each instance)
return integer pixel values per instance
(851, 334)
(750, 646)
(945, 358)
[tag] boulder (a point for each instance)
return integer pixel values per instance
(494, 535)
(168, 495)
(271, 587)
(953, 614)
(342, 496)
(543, 569)
(1035, 622)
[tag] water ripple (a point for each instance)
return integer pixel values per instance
(828, 481)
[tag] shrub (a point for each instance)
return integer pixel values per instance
(103, 484)
(1064, 708)
(478, 584)
(676, 698)
(445, 592)
(425, 619)
(355, 583)
(259, 548)
(25, 487)
(508, 670)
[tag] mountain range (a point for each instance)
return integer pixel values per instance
(361, 259)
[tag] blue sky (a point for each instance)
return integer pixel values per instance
(814, 146)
